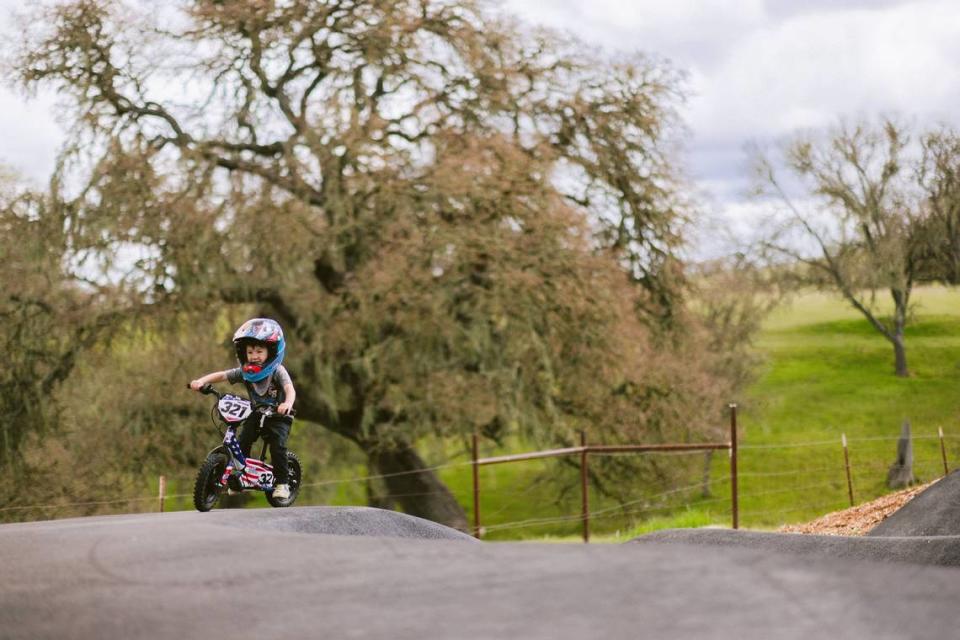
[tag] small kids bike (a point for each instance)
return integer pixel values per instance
(226, 468)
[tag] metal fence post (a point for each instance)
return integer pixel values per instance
(584, 487)
(846, 464)
(163, 491)
(476, 489)
(733, 465)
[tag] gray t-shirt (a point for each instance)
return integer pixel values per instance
(266, 391)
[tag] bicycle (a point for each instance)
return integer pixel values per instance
(227, 469)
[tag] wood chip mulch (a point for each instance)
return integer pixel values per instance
(858, 520)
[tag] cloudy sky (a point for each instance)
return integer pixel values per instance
(757, 71)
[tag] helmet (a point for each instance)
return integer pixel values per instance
(265, 332)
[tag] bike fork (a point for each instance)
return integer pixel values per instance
(237, 461)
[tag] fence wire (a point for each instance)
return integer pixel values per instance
(754, 487)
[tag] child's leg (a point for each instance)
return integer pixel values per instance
(278, 430)
(248, 433)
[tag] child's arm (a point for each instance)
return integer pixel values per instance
(290, 396)
(216, 376)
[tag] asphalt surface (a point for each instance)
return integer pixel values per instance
(347, 521)
(941, 551)
(926, 530)
(933, 512)
(282, 573)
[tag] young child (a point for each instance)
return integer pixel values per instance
(260, 347)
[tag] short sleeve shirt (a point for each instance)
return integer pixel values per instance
(267, 391)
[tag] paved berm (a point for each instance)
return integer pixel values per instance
(324, 572)
(926, 530)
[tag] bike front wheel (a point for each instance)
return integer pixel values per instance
(206, 488)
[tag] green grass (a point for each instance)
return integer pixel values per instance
(683, 518)
(828, 372)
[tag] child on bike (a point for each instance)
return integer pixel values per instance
(260, 347)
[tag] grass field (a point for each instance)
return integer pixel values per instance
(826, 372)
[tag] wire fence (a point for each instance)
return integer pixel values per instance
(777, 483)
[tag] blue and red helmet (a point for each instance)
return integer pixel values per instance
(264, 332)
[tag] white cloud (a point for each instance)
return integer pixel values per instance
(30, 136)
(786, 8)
(809, 70)
(692, 33)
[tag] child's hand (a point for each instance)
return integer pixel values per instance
(284, 408)
(196, 385)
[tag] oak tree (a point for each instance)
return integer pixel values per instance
(461, 223)
(850, 219)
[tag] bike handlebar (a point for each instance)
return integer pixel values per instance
(208, 390)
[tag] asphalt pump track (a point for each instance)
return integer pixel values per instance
(326, 572)
(926, 530)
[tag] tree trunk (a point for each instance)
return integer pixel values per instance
(900, 473)
(894, 334)
(901, 300)
(900, 357)
(378, 494)
(418, 491)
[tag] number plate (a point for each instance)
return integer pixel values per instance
(234, 408)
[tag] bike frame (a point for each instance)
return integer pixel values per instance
(253, 473)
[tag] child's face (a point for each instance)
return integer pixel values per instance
(256, 354)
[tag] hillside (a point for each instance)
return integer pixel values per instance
(828, 373)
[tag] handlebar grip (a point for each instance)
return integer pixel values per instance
(206, 389)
